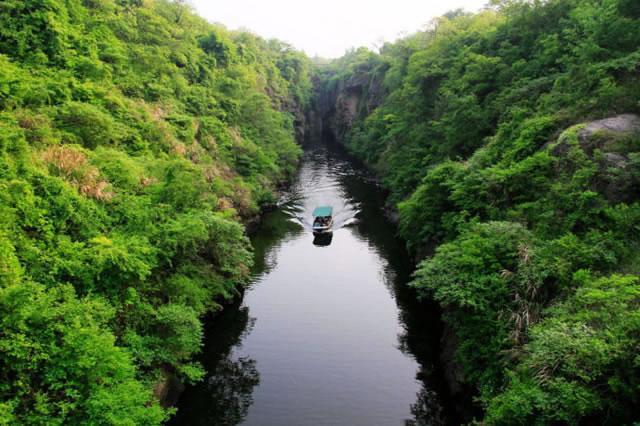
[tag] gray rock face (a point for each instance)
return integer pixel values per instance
(612, 143)
(613, 159)
(624, 123)
(596, 133)
(336, 110)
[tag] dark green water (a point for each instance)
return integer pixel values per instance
(327, 333)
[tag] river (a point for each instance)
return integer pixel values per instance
(327, 333)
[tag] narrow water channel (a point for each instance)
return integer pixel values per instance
(327, 333)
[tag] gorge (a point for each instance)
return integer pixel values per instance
(485, 173)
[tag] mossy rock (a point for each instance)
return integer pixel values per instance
(614, 145)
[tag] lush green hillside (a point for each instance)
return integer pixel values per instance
(134, 138)
(481, 128)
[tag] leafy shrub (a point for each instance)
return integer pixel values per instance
(60, 364)
(87, 124)
(581, 361)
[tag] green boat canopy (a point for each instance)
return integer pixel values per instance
(323, 211)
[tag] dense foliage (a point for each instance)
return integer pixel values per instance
(477, 126)
(134, 138)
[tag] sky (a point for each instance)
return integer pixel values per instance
(328, 28)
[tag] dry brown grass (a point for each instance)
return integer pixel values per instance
(72, 165)
(159, 112)
(30, 121)
(235, 135)
(179, 148)
(242, 199)
(216, 170)
(147, 181)
(526, 305)
(195, 152)
(224, 204)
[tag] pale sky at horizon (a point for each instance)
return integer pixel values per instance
(328, 28)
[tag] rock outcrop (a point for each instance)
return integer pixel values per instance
(620, 125)
(614, 145)
(339, 103)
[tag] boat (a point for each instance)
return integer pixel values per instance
(322, 219)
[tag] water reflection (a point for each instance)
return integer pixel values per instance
(230, 387)
(226, 393)
(338, 337)
(323, 239)
(427, 410)
(276, 229)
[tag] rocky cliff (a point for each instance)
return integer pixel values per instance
(340, 100)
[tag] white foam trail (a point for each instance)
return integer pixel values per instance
(350, 221)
